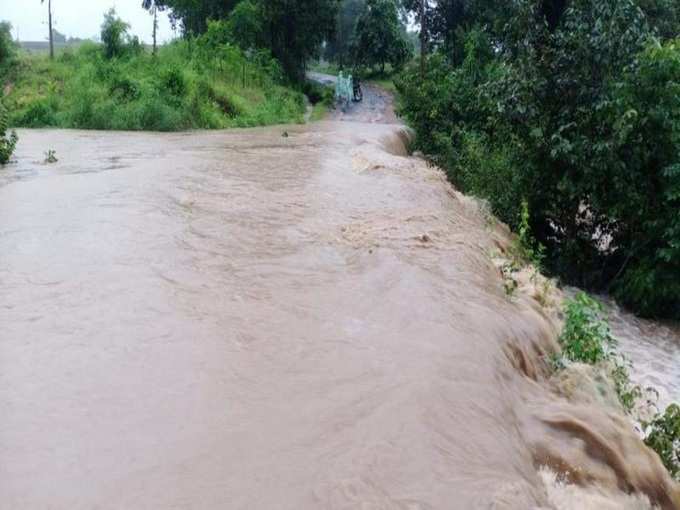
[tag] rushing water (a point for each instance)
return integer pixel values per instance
(654, 349)
(244, 320)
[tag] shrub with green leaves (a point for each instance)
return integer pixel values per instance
(8, 140)
(586, 336)
(663, 436)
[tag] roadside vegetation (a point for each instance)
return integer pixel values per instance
(574, 109)
(238, 64)
(204, 82)
(8, 139)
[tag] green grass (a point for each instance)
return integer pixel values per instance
(385, 83)
(184, 87)
(319, 112)
(325, 68)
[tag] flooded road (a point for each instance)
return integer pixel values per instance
(243, 320)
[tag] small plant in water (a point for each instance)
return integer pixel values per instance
(663, 436)
(51, 157)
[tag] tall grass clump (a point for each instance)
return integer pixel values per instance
(199, 83)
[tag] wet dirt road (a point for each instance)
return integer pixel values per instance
(377, 105)
(241, 320)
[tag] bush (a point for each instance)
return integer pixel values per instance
(586, 337)
(39, 114)
(7, 141)
(663, 436)
(174, 83)
(125, 88)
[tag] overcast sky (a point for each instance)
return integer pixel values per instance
(78, 18)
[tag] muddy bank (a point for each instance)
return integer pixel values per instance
(245, 320)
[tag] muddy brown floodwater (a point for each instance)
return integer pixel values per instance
(241, 320)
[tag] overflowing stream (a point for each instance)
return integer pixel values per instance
(284, 318)
(654, 349)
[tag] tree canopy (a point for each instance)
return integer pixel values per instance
(338, 48)
(294, 29)
(379, 39)
(572, 107)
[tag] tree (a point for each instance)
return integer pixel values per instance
(663, 15)
(49, 18)
(379, 38)
(245, 25)
(192, 15)
(152, 7)
(114, 34)
(338, 49)
(444, 23)
(296, 29)
(573, 107)
(8, 49)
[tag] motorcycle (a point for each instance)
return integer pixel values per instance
(357, 92)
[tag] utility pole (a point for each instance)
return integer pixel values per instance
(49, 22)
(49, 8)
(155, 27)
(423, 39)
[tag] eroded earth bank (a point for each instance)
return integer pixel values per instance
(243, 320)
